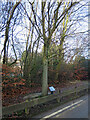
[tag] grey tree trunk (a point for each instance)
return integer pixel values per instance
(45, 72)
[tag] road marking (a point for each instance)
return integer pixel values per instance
(69, 110)
(48, 116)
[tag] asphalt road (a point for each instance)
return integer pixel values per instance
(74, 109)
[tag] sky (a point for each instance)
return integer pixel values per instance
(81, 26)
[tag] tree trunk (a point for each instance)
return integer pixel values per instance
(45, 72)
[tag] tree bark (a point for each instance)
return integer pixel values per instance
(45, 72)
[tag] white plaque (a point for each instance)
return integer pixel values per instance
(51, 88)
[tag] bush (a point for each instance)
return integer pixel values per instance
(12, 82)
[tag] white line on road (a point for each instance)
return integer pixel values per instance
(48, 116)
(73, 107)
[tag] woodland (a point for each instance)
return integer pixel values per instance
(43, 43)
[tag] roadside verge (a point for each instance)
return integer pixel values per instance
(34, 106)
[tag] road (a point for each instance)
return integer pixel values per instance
(74, 109)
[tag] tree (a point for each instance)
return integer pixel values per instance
(48, 25)
(80, 68)
(45, 25)
(11, 11)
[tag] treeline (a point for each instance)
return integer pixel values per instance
(58, 70)
(16, 83)
(28, 25)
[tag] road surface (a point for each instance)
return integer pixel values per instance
(74, 109)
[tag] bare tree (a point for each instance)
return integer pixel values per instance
(46, 23)
(11, 11)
